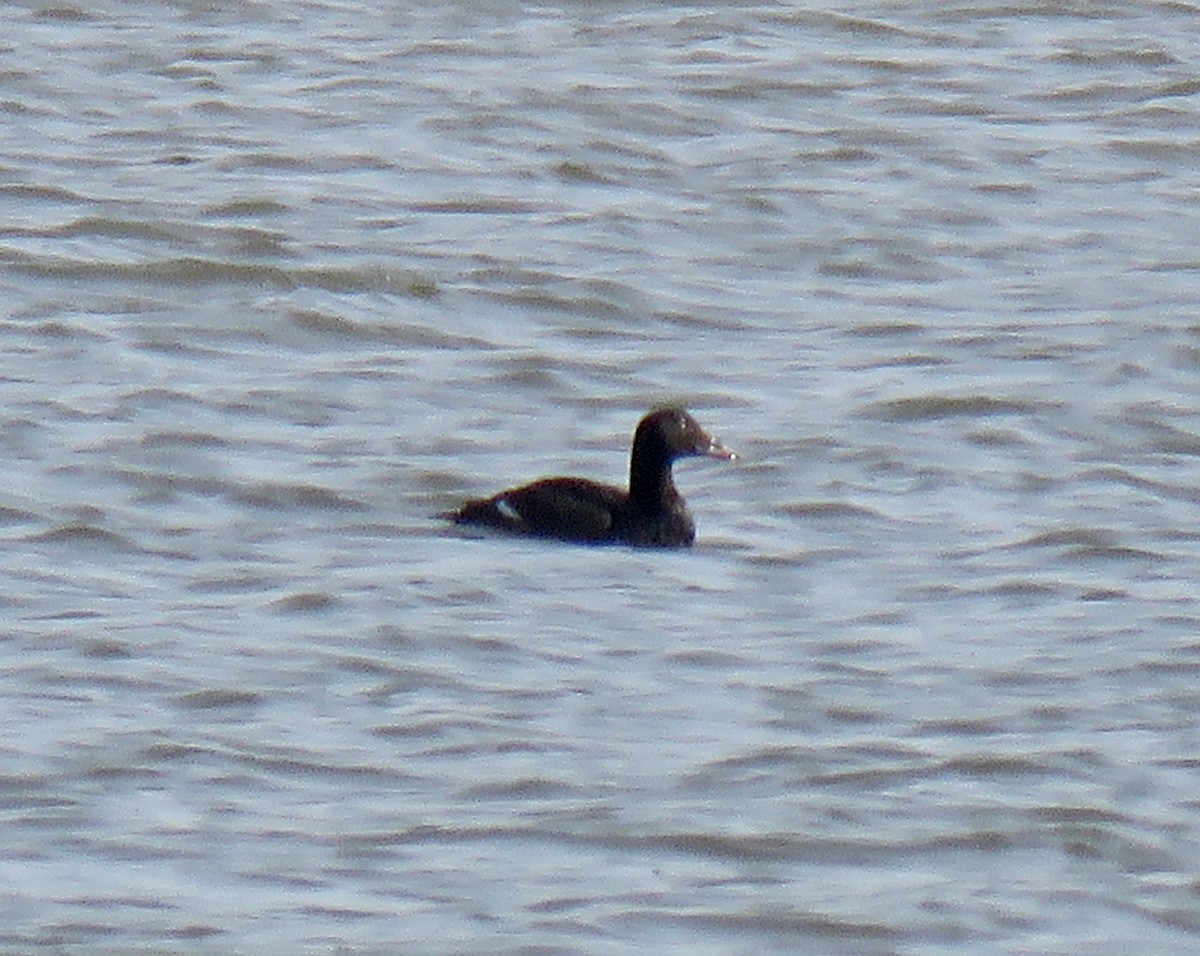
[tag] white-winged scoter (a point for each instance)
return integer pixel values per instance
(651, 514)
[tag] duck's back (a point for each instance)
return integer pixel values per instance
(576, 509)
(573, 509)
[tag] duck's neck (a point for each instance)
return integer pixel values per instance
(650, 484)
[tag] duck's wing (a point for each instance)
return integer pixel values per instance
(573, 509)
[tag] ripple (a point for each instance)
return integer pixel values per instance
(398, 334)
(828, 509)
(277, 496)
(305, 602)
(87, 535)
(219, 698)
(935, 407)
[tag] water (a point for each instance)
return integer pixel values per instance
(282, 281)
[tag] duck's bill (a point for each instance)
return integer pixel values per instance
(716, 450)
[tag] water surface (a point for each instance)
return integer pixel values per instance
(281, 282)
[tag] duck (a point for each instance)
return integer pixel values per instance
(651, 513)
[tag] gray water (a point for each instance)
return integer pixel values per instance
(282, 281)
